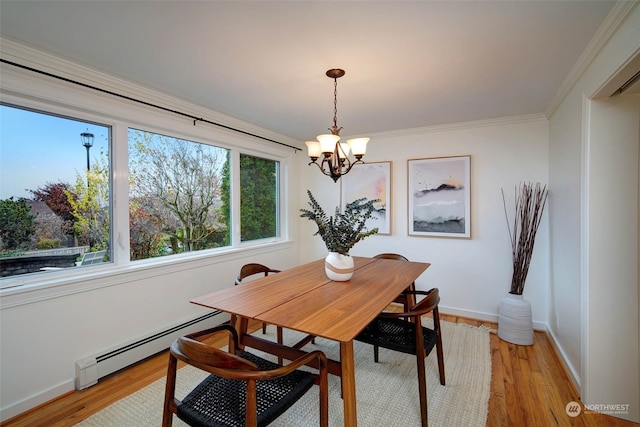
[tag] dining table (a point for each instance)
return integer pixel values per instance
(304, 299)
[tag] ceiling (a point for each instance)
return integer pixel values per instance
(408, 64)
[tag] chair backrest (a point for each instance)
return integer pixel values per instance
(92, 258)
(428, 303)
(392, 256)
(208, 358)
(248, 270)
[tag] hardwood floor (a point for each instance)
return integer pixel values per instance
(528, 388)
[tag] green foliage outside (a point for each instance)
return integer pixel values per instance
(225, 198)
(45, 243)
(17, 223)
(258, 198)
(89, 200)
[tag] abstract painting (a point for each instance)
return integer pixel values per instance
(373, 181)
(440, 197)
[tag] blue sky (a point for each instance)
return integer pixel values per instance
(36, 149)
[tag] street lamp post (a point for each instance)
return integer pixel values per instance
(87, 141)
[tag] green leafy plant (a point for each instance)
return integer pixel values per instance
(343, 230)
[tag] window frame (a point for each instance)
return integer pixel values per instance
(74, 103)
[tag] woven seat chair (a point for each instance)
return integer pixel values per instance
(243, 389)
(398, 331)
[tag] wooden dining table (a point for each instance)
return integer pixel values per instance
(304, 299)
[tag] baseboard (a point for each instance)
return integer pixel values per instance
(486, 317)
(574, 378)
(35, 400)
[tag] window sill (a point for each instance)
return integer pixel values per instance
(32, 288)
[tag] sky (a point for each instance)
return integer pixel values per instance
(36, 149)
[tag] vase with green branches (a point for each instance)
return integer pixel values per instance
(515, 322)
(341, 232)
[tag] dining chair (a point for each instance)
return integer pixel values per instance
(249, 271)
(252, 269)
(398, 331)
(242, 389)
(402, 298)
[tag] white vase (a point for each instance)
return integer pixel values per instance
(338, 267)
(515, 324)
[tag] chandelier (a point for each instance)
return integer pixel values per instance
(335, 154)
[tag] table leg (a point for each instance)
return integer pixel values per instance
(348, 383)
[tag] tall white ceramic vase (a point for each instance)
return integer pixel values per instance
(515, 324)
(338, 267)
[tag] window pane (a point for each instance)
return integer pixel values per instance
(259, 198)
(176, 190)
(54, 191)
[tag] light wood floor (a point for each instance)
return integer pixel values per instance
(528, 388)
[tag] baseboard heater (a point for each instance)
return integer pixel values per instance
(90, 369)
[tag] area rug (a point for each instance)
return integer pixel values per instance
(386, 392)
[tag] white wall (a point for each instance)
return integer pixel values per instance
(576, 277)
(472, 275)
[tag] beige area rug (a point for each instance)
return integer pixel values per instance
(387, 392)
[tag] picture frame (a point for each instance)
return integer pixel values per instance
(373, 181)
(439, 197)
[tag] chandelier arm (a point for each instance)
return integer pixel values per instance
(319, 165)
(339, 161)
(351, 165)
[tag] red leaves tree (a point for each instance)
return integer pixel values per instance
(55, 197)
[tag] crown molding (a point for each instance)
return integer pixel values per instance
(620, 11)
(501, 121)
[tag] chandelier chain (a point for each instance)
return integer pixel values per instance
(335, 103)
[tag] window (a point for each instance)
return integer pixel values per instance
(57, 201)
(176, 193)
(259, 203)
(54, 191)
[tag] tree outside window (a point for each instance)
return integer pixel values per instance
(175, 195)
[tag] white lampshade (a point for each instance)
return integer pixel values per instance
(358, 146)
(314, 148)
(344, 150)
(328, 142)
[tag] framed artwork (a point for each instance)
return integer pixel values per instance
(373, 181)
(440, 197)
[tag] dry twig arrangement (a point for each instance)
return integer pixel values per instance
(530, 200)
